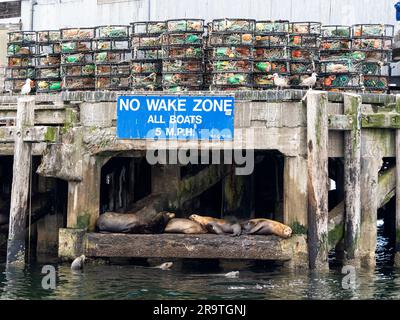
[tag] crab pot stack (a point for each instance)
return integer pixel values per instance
(374, 44)
(304, 39)
(340, 66)
(183, 55)
(77, 59)
(146, 55)
(21, 52)
(48, 59)
(207, 59)
(112, 57)
(231, 55)
(271, 52)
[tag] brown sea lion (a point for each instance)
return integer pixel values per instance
(184, 226)
(266, 227)
(111, 222)
(217, 226)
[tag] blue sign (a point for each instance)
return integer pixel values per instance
(175, 117)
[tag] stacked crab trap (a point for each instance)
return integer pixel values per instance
(77, 59)
(230, 58)
(146, 55)
(183, 54)
(373, 43)
(21, 52)
(112, 57)
(48, 59)
(340, 66)
(304, 39)
(271, 52)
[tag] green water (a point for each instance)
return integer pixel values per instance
(254, 282)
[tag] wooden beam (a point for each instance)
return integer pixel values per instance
(208, 246)
(352, 179)
(340, 122)
(317, 186)
(30, 134)
(20, 184)
(381, 121)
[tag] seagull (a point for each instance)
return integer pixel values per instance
(310, 81)
(26, 88)
(280, 82)
(78, 263)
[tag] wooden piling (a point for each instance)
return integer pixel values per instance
(295, 194)
(397, 247)
(317, 179)
(352, 179)
(20, 183)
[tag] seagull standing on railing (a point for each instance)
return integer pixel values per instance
(280, 82)
(26, 88)
(310, 81)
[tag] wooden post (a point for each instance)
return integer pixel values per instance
(295, 194)
(371, 162)
(397, 256)
(20, 183)
(317, 179)
(352, 179)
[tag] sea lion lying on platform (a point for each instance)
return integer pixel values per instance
(184, 226)
(266, 227)
(217, 226)
(111, 222)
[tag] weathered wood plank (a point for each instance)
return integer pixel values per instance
(317, 164)
(207, 246)
(30, 134)
(352, 179)
(295, 193)
(339, 122)
(20, 184)
(381, 121)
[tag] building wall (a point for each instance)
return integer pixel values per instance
(67, 13)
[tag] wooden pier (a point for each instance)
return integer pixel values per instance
(74, 134)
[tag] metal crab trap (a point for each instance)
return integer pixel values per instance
(376, 84)
(183, 54)
(308, 41)
(310, 28)
(373, 30)
(230, 50)
(22, 37)
(48, 60)
(77, 34)
(233, 25)
(146, 55)
(112, 57)
(21, 51)
(338, 82)
(272, 27)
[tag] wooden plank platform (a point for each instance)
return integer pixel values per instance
(206, 246)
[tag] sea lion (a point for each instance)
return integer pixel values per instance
(184, 226)
(217, 226)
(266, 227)
(165, 266)
(78, 263)
(111, 222)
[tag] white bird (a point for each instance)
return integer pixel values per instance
(310, 81)
(280, 82)
(26, 88)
